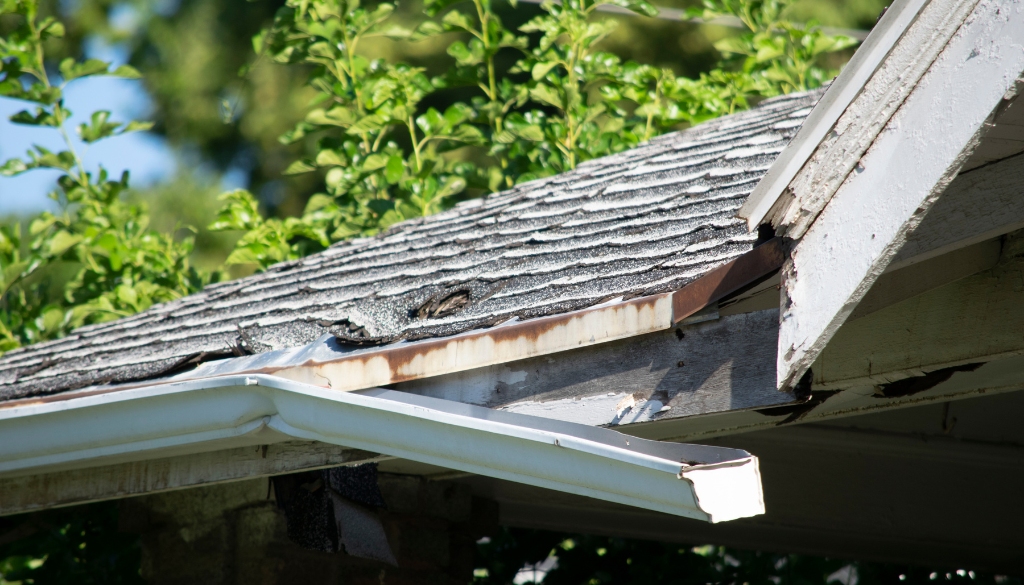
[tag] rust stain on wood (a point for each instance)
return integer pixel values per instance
(728, 278)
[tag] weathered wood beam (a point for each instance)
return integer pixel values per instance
(892, 286)
(868, 490)
(896, 182)
(896, 286)
(975, 319)
(977, 206)
(716, 366)
(29, 493)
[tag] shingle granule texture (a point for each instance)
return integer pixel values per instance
(641, 222)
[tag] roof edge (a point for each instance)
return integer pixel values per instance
(327, 363)
(879, 43)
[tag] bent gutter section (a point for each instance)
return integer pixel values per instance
(714, 484)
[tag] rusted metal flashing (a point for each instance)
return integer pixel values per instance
(728, 279)
(514, 341)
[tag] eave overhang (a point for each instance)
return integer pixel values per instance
(707, 483)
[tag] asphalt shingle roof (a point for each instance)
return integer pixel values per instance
(641, 222)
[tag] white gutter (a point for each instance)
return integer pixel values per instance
(878, 44)
(707, 483)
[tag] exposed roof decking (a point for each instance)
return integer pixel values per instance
(641, 222)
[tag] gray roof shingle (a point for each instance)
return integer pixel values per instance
(641, 222)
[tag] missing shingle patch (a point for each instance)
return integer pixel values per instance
(442, 305)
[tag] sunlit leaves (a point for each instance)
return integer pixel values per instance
(99, 127)
(71, 70)
(386, 155)
(95, 259)
(781, 55)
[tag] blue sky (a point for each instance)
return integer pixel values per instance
(149, 158)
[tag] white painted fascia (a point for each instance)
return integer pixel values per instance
(865, 61)
(905, 170)
(708, 483)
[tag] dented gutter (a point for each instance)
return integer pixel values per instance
(714, 484)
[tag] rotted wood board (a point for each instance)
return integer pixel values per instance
(720, 365)
(66, 488)
(973, 320)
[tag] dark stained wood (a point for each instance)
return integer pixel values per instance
(729, 278)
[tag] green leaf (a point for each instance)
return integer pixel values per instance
(41, 157)
(638, 6)
(461, 53)
(329, 157)
(434, 7)
(374, 162)
(298, 167)
(51, 29)
(12, 167)
(11, 87)
(41, 118)
(136, 126)
(426, 30)
(541, 69)
(451, 186)
(736, 45)
(431, 122)
(366, 124)
(457, 20)
(318, 202)
(127, 72)
(469, 135)
(98, 128)
(71, 70)
(52, 319)
(547, 95)
(395, 169)
(13, 272)
(61, 242)
(531, 132)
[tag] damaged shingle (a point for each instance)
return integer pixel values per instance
(443, 304)
(644, 221)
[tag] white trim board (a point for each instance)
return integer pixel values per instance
(876, 47)
(901, 175)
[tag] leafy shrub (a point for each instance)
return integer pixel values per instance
(385, 157)
(96, 259)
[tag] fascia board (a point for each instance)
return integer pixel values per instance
(708, 483)
(840, 94)
(906, 169)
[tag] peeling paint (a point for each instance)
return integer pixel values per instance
(614, 408)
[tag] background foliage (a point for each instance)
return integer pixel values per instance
(345, 119)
